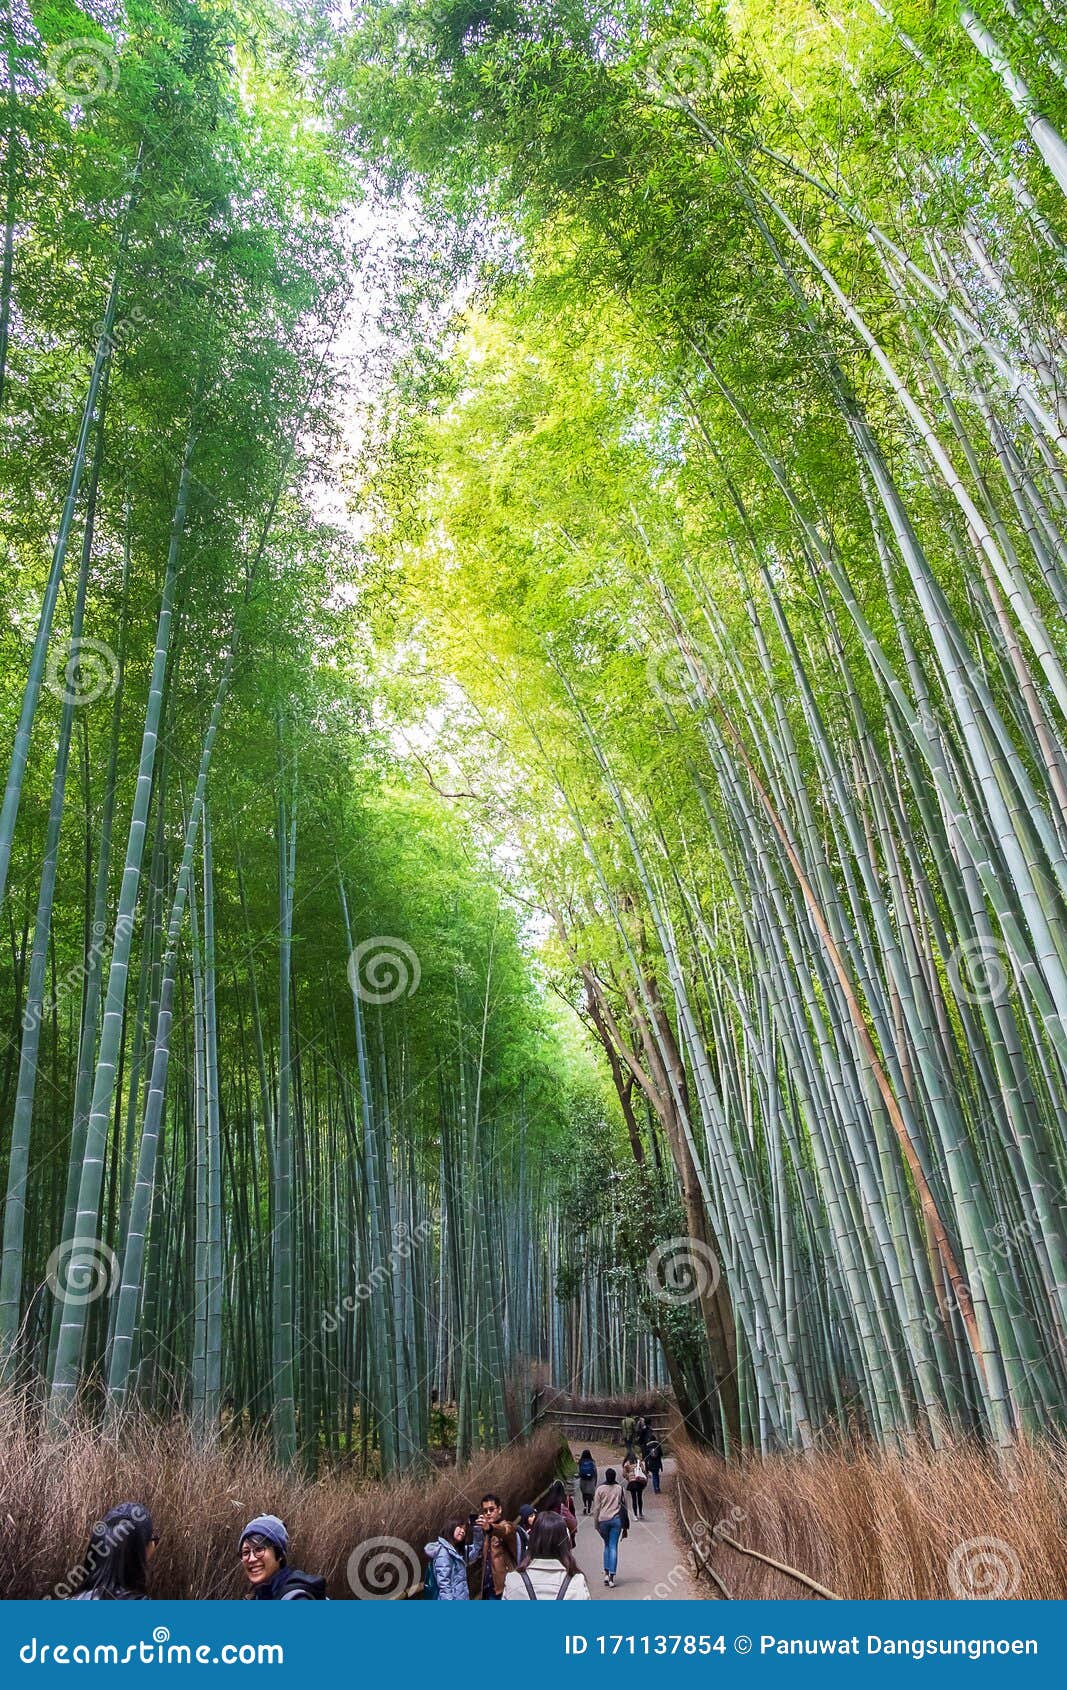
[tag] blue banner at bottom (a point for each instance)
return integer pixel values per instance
(582, 1643)
(746, 1644)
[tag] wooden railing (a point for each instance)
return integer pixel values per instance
(717, 1535)
(605, 1428)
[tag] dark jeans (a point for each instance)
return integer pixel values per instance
(655, 1481)
(637, 1495)
(610, 1531)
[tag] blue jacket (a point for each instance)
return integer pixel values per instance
(450, 1570)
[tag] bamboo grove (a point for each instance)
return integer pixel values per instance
(282, 1099)
(737, 519)
(534, 707)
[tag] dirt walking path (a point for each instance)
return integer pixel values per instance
(652, 1563)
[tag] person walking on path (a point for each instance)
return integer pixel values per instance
(628, 1429)
(449, 1556)
(643, 1434)
(654, 1463)
(264, 1550)
(611, 1521)
(116, 1562)
(558, 1502)
(495, 1546)
(549, 1572)
(635, 1479)
(587, 1477)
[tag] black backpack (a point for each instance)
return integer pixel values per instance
(301, 1587)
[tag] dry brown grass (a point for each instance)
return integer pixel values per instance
(881, 1525)
(637, 1402)
(51, 1491)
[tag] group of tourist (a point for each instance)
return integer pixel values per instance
(122, 1544)
(530, 1558)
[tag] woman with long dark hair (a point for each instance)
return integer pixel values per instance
(635, 1479)
(556, 1501)
(587, 1476)
(116, 1561)
(549, 1572)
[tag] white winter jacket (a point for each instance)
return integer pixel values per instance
(546, 1578)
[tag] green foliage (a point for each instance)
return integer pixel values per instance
(203, 1105)
(738, 526)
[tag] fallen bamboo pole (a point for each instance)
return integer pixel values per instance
(705, 1562)
(779, 1566)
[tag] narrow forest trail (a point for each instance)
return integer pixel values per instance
(652, 1562)
(533, 771)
